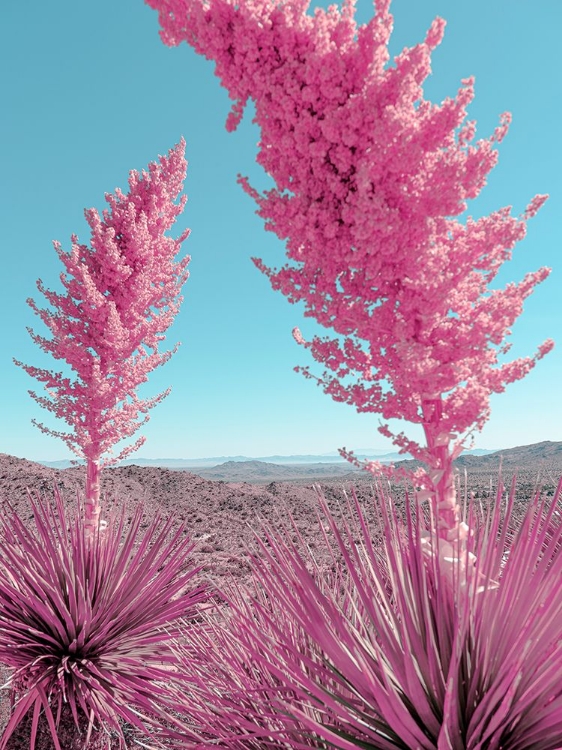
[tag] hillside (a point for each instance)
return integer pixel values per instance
(221, 512)
(263, 472)
(222, 518)
(544, 457)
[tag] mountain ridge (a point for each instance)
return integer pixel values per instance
(332, 458)
(256, 471)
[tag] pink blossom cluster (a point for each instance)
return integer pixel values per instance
(369, 176)
(370, 179)
(122, 293)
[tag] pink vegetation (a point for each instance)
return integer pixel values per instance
(122, 294)
(88, 629)
(369, 177)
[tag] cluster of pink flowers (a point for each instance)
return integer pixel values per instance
(122, 294)
(369, 177)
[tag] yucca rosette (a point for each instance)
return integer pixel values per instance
(89, 625)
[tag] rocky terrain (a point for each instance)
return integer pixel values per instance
(222, 515)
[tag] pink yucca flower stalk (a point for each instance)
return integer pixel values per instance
(87, 626)
(369, 177)
(400, 660)
(122, 294)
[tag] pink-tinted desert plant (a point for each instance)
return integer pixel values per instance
(121, 294)
(240, 702)
(396, 659)
(369, 176)
(87, 627)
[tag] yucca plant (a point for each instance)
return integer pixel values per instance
(234, 693)
(231, 696)
(86, 626)
(403, 656)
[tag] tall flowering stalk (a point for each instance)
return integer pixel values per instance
(369, 176)
(122, 293)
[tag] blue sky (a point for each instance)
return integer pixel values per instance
(89, 92)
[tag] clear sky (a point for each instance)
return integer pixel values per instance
(89, 92)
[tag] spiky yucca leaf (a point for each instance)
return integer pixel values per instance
(402, 659)
(230, 692)
(89, 625)
(235, 695)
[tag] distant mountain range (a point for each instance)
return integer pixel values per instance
(528, 458)
(363, 454)
(543, 458)
(264, 472)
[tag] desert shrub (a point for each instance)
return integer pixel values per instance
(87, 626)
